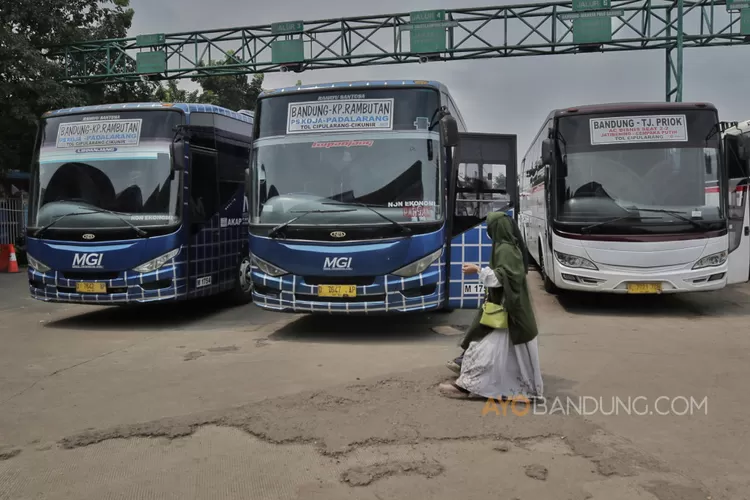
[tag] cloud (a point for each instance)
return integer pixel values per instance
(512, 95)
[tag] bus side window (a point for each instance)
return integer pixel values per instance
(203, 186)
(233, 161)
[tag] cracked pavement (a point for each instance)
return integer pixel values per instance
(200, 401)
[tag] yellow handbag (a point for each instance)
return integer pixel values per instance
(493, 315)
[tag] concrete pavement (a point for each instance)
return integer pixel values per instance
(200, 401)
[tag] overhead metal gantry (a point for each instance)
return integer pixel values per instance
(428, 36)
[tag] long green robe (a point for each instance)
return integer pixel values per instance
(509, 262)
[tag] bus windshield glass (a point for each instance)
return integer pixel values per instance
(640, 170)
(106, 162)
(397, 174)
(377, 147)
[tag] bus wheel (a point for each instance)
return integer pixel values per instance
(243, 289)
(549, 286)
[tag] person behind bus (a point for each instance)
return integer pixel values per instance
(501, 362)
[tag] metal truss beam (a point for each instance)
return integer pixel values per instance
(478, 33)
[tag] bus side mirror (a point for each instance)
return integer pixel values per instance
(177, 149)
(449, 131)
(547, 152)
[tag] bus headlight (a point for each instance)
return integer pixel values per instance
(268, 268)
(418, 266)
(713, 260)
(36, 265)
(575, 261)
(157, 263)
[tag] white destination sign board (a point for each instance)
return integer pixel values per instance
(99, 133)
(358, 114)
(634, 129)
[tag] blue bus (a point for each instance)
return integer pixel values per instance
(367, 197)
(140, 202)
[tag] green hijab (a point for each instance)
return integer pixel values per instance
(510, 266)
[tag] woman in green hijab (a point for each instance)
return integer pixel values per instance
(501, 363)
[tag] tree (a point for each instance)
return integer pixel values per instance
(172, 93)
(233, 92)
(499, 182)
(28, 85)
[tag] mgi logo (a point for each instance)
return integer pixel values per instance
(337, 264)
(87, 261)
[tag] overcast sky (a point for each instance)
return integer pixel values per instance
(511, 95)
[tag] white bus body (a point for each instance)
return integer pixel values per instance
(596, 222)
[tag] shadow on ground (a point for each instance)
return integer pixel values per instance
(359, 329)
(151, 316)
(732, 301)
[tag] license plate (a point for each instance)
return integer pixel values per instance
(337, 290)
(644, 287)
(91, 287)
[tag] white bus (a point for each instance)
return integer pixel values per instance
(736, 141)
(618, 198)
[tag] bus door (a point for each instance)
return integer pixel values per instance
(205, 237)
(737, 154)
(483, 180)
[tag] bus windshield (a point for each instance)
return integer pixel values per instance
(98, 163)
(647, 170)
(398, 174)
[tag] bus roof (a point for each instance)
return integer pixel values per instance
(245, 116)
(742, 127)
(356, 84)
(627, 106)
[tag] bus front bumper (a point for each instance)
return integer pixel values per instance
(674, 279)
(107, 288)
(374, 294)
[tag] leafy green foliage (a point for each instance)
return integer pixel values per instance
(29, 78)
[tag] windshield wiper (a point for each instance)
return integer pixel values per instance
(302, 213)
(587, 229)
(56, 219)
(94, 210)
(400, 226)
(698, 224)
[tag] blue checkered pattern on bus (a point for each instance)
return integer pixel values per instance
(215, 252)
(290, 286)
(473, 247)
(57, 288)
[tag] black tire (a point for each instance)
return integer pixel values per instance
(549, 286)
(242, 293)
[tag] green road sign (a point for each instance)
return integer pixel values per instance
(288, 28)
(590, 27)
(150, 40)
(151, 62)
(745, 22)
(287, 51)
(738, 4)
(428, 31)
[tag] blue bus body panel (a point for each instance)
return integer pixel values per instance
(473, 246)
(371, 263)
(187, 108)
(213, 253)
(355, 84)
(111, 263)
